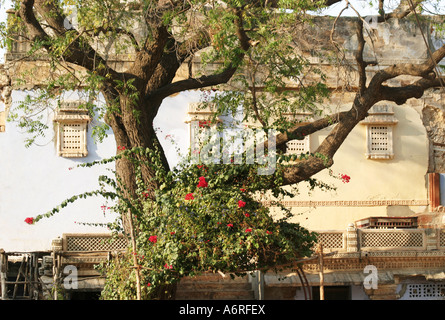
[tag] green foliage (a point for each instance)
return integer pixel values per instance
(186, 230)
(202, 218)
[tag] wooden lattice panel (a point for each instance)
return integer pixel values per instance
(426, 291)
(331, 240)
(442, 238)
(391, 239)
(72, 122)
(94, 243)
(379, 139)
(71, 137)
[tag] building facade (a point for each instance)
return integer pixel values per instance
(380, 232)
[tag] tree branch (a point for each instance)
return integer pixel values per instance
(423, 70)
(207, 80)
(359, 57)
(86, 58)
(403, 10)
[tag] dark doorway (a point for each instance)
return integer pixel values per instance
(332, 293)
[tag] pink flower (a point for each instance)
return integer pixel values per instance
(241, 204)
(189, 196)
(202, 182)
(153, 239)
(166, 266)
(248, 230)
(148, 284)
(345, 178)
(29, 220)
(230, 225)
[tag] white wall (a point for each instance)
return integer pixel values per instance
(34, 180)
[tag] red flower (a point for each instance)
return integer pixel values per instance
(153, 239)
(189, 196)
(166, 266)
(204, 124)
(243, 190)
(248, 230)
(29, 220)
(345, 178)
(241, 204)
(200, 166)
(230, 225)
(247, 215)
(122, 148)
(148, 284)
(269, 232)
(172, 233)
(202, 182)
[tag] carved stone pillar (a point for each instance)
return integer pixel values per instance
(432, 239)
(351, 238)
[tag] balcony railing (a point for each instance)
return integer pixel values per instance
(369, 240)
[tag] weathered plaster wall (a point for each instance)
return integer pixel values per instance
(400, 180)
(34, 180)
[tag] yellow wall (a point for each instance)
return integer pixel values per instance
(402, 178)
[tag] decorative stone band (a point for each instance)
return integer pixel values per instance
(347, 203)
(383, 261)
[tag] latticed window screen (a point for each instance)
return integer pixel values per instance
(94, 243)
(380, 125)
(72, 123)
(380, 144)
(379, 138)
(72, 137)
(298, 146)
(425, 291)
(442, 238)
(391, 239)
(331, 240)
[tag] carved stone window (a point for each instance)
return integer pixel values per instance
(72, 123)
(298, 146)
(199, 119)
(379, 132)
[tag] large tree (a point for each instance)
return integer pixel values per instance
(240, 35)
